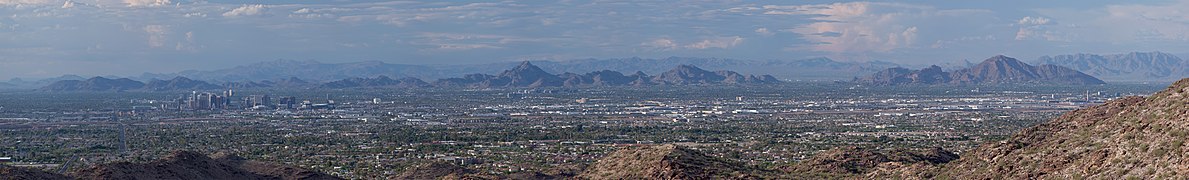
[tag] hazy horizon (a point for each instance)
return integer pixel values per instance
(50, 38)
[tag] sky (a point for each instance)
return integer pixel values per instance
(48, 38)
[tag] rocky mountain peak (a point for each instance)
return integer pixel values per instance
(1002, 61)
(526, 67)
(688, 69)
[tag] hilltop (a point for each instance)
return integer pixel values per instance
(665, 162)
(1140, 137)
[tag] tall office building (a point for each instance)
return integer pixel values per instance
(287, 102)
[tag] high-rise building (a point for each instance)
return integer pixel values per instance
(287, 102)
(265, 100)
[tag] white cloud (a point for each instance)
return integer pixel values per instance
(194, 14)
(1030, 21)
(458, 41)
(856, 26)
(667, 44)
(909, 35)
(1141, 26)
(308, 13)
(879, 27)
(188, 44)
(720, 42)
(302, 11)
(1148, 22)
(246, 10)
(157, 35)
(661, 44)
(68, 4)
(147, 3)
(764, 32)
(1038, 28)
(465, 46)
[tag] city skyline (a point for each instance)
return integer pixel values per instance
(49, 38)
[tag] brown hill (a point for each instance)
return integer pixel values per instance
(19, 173)
(665, 162)
(191, 165)
(1132, 137)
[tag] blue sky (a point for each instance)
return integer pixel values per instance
(46, 38)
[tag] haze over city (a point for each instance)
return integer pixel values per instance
(599, 89)
(49, 38)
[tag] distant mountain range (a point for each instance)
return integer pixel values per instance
(995, 70)
(95, 84)
(525, 75)
(807, 69)
(125, 84)
(1130, 67)
(528, 75)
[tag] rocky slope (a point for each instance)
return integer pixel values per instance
(995, 70)
(1132, 137)
(665, 162)
(1129, 67)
